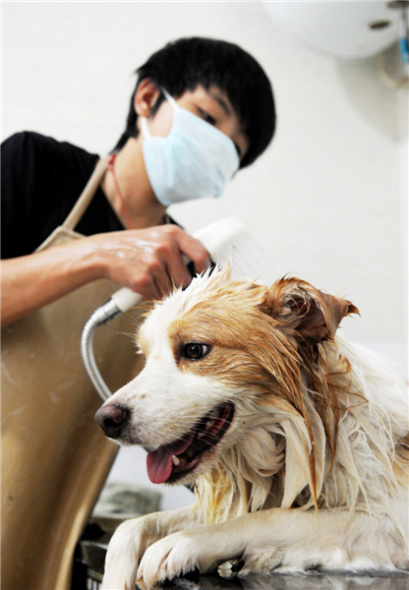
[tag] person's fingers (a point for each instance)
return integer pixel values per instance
(150, 261)
(166, 262)
(195, 251)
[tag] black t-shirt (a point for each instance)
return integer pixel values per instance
(41, 181)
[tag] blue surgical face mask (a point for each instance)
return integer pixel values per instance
(193, 162)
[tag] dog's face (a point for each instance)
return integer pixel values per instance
(213, 353)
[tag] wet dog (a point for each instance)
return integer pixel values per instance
(296, 441)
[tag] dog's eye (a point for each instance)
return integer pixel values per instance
(195, 350)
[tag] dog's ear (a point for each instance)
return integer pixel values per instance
(310, 313)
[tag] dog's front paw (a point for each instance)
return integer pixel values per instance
(124, 553)
(180, 554)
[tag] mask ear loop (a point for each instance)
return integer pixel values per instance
(170, 99)
(144, 121)
(144, 128)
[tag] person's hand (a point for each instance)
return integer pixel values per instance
(149, 261)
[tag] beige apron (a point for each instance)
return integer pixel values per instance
(55, 458)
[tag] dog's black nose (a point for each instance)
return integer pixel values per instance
(112, 419)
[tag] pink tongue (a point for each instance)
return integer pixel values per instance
(159, 463)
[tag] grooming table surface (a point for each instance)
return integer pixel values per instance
(93, 556)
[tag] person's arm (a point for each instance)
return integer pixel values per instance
(149, 261)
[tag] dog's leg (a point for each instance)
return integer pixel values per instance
(278, 538)
(133, 537)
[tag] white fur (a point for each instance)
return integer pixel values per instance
(254, 489)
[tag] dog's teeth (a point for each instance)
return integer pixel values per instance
(175, 460)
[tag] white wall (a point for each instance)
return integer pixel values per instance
(328, 199)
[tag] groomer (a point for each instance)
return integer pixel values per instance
(201, 110)
(175, 157)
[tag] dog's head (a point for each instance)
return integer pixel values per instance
(217, 353)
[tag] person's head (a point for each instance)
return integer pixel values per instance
(189, 63)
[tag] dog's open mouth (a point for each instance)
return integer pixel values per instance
(175, 460)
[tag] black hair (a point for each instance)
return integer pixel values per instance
(189, 62)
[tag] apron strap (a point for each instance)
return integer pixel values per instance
(86, 196)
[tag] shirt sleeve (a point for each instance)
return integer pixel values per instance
(18, 193)
(31, 206)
